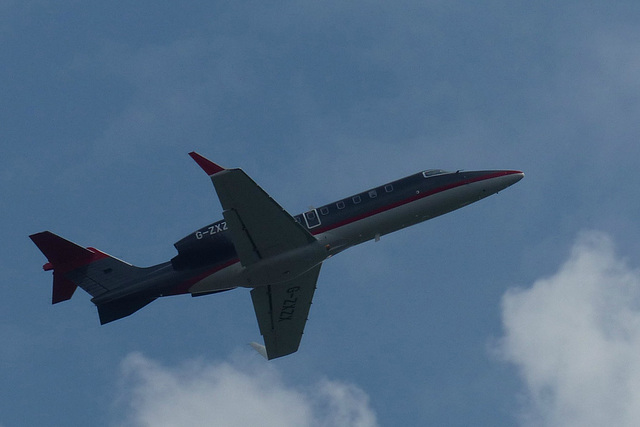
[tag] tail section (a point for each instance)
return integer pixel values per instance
(73, 266)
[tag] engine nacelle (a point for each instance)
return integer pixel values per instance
(205, 246)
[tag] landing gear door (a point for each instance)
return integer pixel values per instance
(312, 219)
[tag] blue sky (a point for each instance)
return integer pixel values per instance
(520, 310)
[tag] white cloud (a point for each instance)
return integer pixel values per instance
(231, 394)
(575, 339)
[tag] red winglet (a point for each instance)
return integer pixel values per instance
(207, 165)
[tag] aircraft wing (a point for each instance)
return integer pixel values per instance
(259, 226)
(282, 312)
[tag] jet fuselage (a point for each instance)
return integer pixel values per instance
(336, 226)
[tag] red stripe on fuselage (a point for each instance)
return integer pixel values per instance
(409, 200)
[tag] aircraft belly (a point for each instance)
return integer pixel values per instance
(228, 277)
(269, 271)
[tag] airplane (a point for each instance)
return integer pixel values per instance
(258, 245)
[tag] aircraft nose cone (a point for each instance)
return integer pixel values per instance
(497, 180)
(507, 179)
(514, 176)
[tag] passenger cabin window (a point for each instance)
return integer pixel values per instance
(340, 205)
(373, 194)
(324, 211)
(356, 199)
(388, 188)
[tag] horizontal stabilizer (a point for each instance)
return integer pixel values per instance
(73, 265)
(61, 253)
(63, 256)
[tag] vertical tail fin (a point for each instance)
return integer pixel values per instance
(73, 266)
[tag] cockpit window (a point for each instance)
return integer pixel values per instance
(432, 172)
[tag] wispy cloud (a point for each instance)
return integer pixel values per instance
(575, 339)
(234, 394)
